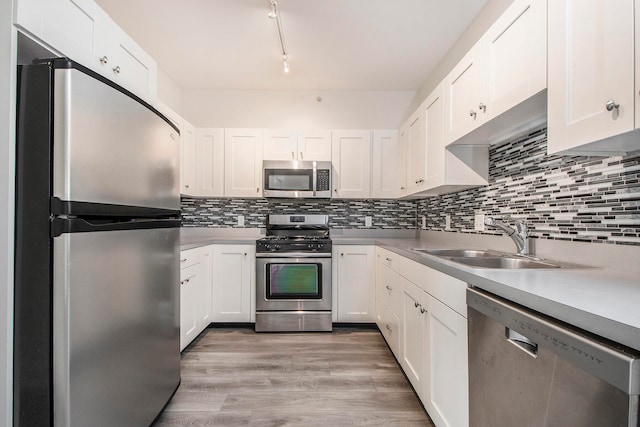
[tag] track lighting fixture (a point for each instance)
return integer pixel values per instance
(274, 14)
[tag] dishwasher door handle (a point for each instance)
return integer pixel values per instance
(522, 342)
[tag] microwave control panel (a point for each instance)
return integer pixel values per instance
(323, 180)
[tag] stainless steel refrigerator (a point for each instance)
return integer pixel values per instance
(96, 338)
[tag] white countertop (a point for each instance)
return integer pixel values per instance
(598, 300)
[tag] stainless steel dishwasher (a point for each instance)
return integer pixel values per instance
(526, 369)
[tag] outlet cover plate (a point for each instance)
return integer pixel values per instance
(479, 222)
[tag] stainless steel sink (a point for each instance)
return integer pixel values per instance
(460, 253)
(483, 258)
(504, 262)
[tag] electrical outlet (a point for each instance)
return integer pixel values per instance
(447, 222)
(367, 221)
(240, 220)
(424, 222)
(478, 224)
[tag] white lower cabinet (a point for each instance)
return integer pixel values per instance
(414, 324)
(447, 376)
(233, 283)
(427, 331)
(195, 293)
(354, 284)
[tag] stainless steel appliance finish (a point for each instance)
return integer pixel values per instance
(527, 369)
(114, 322)
(293, 275)
(96, 327)
(296, 179)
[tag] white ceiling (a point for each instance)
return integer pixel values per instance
(368, 45)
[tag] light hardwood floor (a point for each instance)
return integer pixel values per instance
(236, 377)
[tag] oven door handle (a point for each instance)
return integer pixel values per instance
(293, 255)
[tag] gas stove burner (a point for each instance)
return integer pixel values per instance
(295, 234)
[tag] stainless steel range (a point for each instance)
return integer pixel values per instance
(293, 275)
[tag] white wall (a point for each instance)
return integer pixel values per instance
(481, 23)
(295, 109)
(169, 92)
(7, 168)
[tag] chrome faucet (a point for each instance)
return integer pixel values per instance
(519, 235)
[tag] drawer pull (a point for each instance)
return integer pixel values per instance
(416, 304)
(116, 69)
(388, 328)
(389, 287)
(104, 60)
(423, 310)
(388, 259)
(183, 260)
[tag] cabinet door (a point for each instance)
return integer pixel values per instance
(515, 56)
(189, 284)
(243, 162)
(403, 144)
(416, 159)
(280, 144)
(314, 145)
(447, 380)
(187, 159)
(384, 174)
(435, 145)
(203, 303)
(356, 283)
(68, 26)
(210, 162)
(414, 322)
(591, 62)
(351, 157)
(463, 88)
(232, 283)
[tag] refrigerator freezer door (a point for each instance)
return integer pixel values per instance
(116, 346)
(108, 148)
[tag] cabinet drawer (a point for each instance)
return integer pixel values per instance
(445, 288)
(388, 288)
(388, 258)
(189, 257)
(389, 325)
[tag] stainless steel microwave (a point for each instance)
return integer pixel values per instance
(291, 178)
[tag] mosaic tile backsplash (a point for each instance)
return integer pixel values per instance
(589, 199)
(386, 214)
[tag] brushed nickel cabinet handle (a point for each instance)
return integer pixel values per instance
(388, 328)
(473, 114)
(416, 304)
(293, 154)
(389, 287)
(104, 60)
(482, 107)
(423, 310)
(301, 156)
(116, 69)
(611, 105)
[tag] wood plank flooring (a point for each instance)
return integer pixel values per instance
(236, 377)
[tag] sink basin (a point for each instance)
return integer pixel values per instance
(483, 258)
(460, 253)
(503, 262)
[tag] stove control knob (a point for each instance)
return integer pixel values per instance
(276, 247)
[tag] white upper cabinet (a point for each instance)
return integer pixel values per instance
(591, 76)
(351, 157)
(292, 144)
(280, 144)
(82, 31)
(68, 26)
(514, 57)
(416, 150)
(497, 89)
(384, 174)
(463, 86)
(188, 159)
(314, 145)
(403, 147)
(209, 162)
(243, 162)
(119, 58)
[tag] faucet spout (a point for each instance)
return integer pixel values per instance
(519, 234)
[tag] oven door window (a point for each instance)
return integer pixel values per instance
(288, 179)
(294, 281)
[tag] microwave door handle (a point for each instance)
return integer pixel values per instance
(315, 177)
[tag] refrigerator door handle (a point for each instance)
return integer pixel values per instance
(61, 226)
